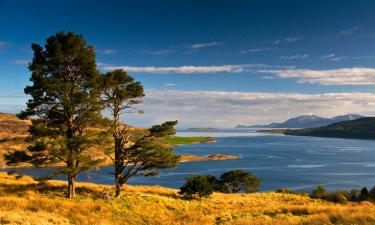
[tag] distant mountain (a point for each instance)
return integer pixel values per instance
(306, 121)
(362, 128)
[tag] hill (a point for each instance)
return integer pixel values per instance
(306, 121)
(363, 128)
(25, 201)
(14, 131)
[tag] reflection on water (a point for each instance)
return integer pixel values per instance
(280, 161)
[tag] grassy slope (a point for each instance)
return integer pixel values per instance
(13, 132)
(363, 128)
(24, 201)
(187, 140)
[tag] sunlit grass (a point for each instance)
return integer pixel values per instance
(186, 140)
(25, 201)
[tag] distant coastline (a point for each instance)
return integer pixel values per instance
(362, 128)
(201, 129)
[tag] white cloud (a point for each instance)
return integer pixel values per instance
(291, 39)
(3, 45)
(268, 77)
(230, 68)
(184, 69)
(342, 76)
(254, 50)
(170, 84)
(108, 51)
(199, 46)
(227, 109)
(347, 32)
(333, 57)
(157, 52)
(297, 56)
(21, 62)
(286, 40)
(204, 45)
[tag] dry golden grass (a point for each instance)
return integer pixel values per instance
(25, 201)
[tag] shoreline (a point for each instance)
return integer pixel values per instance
(183, 159)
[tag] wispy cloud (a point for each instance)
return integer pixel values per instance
(21, 62)
(235, 68)
(347, 32)
(170, 84)
(297, 56)
(342, 76)
(3, 45)
(204, 45)
(286, 40)
(199, 46)
(103, 65)
(183, 69)
(226, 109)
(333, 57)
(107, 51)
(254, 50)
(336, 58)
(157, 52)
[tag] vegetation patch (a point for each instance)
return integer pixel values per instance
(26, 201)
(187, 140)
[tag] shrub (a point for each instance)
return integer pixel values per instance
(364, 194)
(197, 186)
(238, 180)
(318, 192)
(285, 190)
(372, 193)
(336, 197)
(354, 195)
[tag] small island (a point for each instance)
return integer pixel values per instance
(191, 158)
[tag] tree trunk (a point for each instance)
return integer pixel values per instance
(118, 149)
(71, 186)
(118, 185)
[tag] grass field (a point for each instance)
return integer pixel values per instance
(187, 140)
(25, 201)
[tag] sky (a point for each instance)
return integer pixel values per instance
(210, 63)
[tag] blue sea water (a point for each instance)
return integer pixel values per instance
(279, 161)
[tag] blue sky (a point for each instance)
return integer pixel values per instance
(214, 63)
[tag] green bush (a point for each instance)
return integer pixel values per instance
(336, 197)
(372, 193)
(318, 192)
(285, 190)
(197, 186)
(354, 195)
(364, 194)
(238, 180)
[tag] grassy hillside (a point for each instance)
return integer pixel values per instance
(13, 133)
(363, 128)
(25, 201)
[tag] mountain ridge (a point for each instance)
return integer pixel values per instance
(306, 121)
(362, 128)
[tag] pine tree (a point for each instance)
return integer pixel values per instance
(135, 152)
(64, 104)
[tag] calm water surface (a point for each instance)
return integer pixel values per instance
(299, 163)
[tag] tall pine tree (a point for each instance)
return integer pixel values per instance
(135, 151)
(65, 102)
(120, 93)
